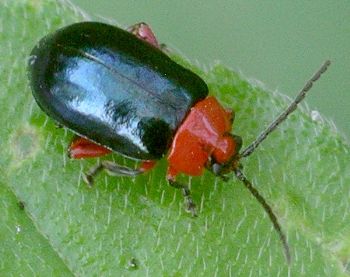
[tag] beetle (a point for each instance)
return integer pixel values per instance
(118, 91)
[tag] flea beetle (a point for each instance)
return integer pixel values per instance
(119, 92)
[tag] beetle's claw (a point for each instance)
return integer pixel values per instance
(190, 206)
(88, 179)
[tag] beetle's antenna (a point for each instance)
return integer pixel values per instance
(267, 209)
(301, 95)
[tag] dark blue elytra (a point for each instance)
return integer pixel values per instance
(105, 84)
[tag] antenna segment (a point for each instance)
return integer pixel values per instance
(301, 95)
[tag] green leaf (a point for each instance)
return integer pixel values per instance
(303, 170)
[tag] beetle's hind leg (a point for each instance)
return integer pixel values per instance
(144, 32)
(190, 205)
(112, 169)
(82, 148)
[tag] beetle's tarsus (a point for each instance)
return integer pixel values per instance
(190, 205)
(89, 176)
(186, 192)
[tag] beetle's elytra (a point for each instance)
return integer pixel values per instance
(106, 85)
(118, 91)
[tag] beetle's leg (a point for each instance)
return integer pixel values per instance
(82, 148)
(147, 165)
(190, 205)
(112, 168)
(144, 32)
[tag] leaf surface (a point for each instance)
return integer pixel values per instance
(138, 226)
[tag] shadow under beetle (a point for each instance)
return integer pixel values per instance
(119, 92)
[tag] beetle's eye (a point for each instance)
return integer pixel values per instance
(216, 168)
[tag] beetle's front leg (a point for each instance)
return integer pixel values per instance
(191, 206)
